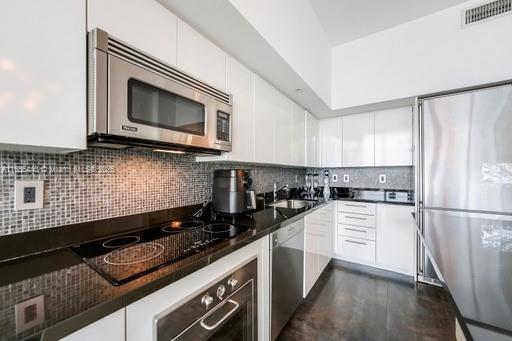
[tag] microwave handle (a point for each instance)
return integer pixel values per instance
(251, 199)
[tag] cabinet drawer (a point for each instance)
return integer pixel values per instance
(356, 248)
(356, 207)
(367, 233)
(356, 219)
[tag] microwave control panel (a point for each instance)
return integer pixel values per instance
(223, 124)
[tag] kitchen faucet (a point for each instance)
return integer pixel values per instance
(277, 190)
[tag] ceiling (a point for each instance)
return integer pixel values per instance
(346, 20)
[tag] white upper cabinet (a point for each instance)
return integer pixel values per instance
(299, 136)
(312, 155)
(358, 140)
(330, 132)
(283, 130)
(43, 75)
(146, 25)
(200, 57)
(393, 137)
(240, 83)
(265, 109)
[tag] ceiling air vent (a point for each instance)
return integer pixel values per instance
(486, 11)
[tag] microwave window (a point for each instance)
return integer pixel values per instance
(152, 106)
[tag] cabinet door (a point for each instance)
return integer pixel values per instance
(311, 257)
(393, 137)
(330, 133)
(200, 57)
(147, 25)
(325, 237)
(265, 109)
(299, 136)
(109, 328)
(240, 83)
(358, 140)
(283, 130)
(395, 238)
(43, 75)
(312, 159)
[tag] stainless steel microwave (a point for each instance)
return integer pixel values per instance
(135, 100)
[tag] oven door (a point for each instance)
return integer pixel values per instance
(232, 319)
(145, 105)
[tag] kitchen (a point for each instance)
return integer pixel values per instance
(299, 170)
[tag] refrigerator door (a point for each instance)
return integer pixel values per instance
(467, 150)
(474, 255)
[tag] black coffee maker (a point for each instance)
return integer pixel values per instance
(232, 191)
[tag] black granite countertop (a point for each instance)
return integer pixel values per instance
(473, 254)
(75, 295)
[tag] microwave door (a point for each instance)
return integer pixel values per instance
(145, 105)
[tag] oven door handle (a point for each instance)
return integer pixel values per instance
(229, 313)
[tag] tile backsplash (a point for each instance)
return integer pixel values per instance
(368, 177)
(104, 183)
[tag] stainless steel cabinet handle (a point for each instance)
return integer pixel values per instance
(354, 242)
(352, 205)
(358, 218)
(229, 313)
(351, 229)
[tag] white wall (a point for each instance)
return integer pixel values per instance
(293, 30)
(430, 54)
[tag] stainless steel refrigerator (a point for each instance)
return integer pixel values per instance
(465, 198)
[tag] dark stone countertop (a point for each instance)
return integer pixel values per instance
(473, 253)
(75, 295)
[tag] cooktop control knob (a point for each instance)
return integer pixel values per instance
(232, 283)
(221, 290)
(207, 300)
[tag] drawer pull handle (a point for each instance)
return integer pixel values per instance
(351, 229)
(354, 242)
(352, 205)
(358, 218)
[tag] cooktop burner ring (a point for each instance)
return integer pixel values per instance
(182, 226)
(156, 249)
(118, 242)
(224, 227)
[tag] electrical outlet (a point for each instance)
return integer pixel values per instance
(346, 178)
(335, 178)
(382, 178)
(28, 195)
(29, 313)
(296, 178)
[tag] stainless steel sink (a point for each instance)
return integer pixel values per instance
(293, 203)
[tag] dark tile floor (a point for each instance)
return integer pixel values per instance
(352, 302)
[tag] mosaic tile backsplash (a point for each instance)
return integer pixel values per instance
(105, 183)
(396, 177)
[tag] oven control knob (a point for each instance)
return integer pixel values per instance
(232, 283)
(221, 290)
(207, 300)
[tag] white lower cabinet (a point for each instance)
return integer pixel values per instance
(379, 235)
(395, 238)
(140, 314)
(109, 328)
(318, 243)
(357, 248)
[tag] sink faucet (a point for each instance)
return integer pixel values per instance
(277, 190)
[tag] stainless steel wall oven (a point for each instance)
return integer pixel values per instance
(137, 100)
(225, 311)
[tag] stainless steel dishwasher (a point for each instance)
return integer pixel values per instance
(287, 274)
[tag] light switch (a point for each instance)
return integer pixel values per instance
(382, 178)
(28, 195)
